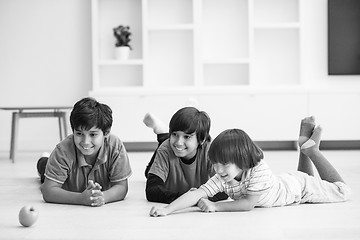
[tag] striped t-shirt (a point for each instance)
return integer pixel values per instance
(273, 190)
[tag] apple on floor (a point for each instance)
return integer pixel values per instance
(28, 216)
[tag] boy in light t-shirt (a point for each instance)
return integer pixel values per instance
(89, 167)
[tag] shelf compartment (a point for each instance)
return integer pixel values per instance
(276, 11)
(276, 58)
(170, 61)
(173, 12)
(225, 37)
(112, 13)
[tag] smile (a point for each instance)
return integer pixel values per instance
(86, 148)
(180, 149)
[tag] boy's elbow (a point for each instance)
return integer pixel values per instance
(122, 191)
(123, 195)
(45, 195)
(244, 206)
(152, 195)
(248, 208)
(249, 205)
(149, 196)
(46, 199)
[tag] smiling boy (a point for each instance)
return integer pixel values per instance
(91, 166)
(180, 163)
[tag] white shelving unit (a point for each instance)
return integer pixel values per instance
(192, 43)
(236, 59)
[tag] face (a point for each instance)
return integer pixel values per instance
(89, 141)
(184, 145)
(228, 172)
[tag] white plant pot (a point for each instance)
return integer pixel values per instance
(122, 53)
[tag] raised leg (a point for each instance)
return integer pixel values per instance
(325, 169)
(156, 124)
(161, 131)
(306, 128)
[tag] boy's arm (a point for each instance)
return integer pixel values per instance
(117, 192)
(54, 193)
(244, 204)
(186, 200)
(220, 196)
(156, 191)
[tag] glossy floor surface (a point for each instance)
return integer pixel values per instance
(129, 219)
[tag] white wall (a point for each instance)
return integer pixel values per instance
(45, 59)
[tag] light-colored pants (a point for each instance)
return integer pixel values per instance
(316, 190)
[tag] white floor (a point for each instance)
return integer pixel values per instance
(129, 219)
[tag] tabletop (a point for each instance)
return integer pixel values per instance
(15, 108)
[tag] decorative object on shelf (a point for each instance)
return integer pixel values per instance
(122, 35)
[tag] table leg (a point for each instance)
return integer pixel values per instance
(14, 135)
(62, 125)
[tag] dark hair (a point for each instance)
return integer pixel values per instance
(88, 113)
(189, 120)
(235, 146)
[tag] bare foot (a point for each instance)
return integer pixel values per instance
(314, 142)
(156, 124)
(306, 129)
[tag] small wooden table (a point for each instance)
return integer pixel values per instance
(35, 112)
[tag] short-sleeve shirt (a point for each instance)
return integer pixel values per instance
(178, 176)
(259, 180)
(67, 166)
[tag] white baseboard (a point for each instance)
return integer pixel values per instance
(265, 145)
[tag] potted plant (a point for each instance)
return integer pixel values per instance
(122, 35)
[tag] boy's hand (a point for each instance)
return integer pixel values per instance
(86, 195)
(96, 196)
(94, 185)
(158, 212)
(206, 205)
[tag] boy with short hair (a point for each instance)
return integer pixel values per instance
(89, 167)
